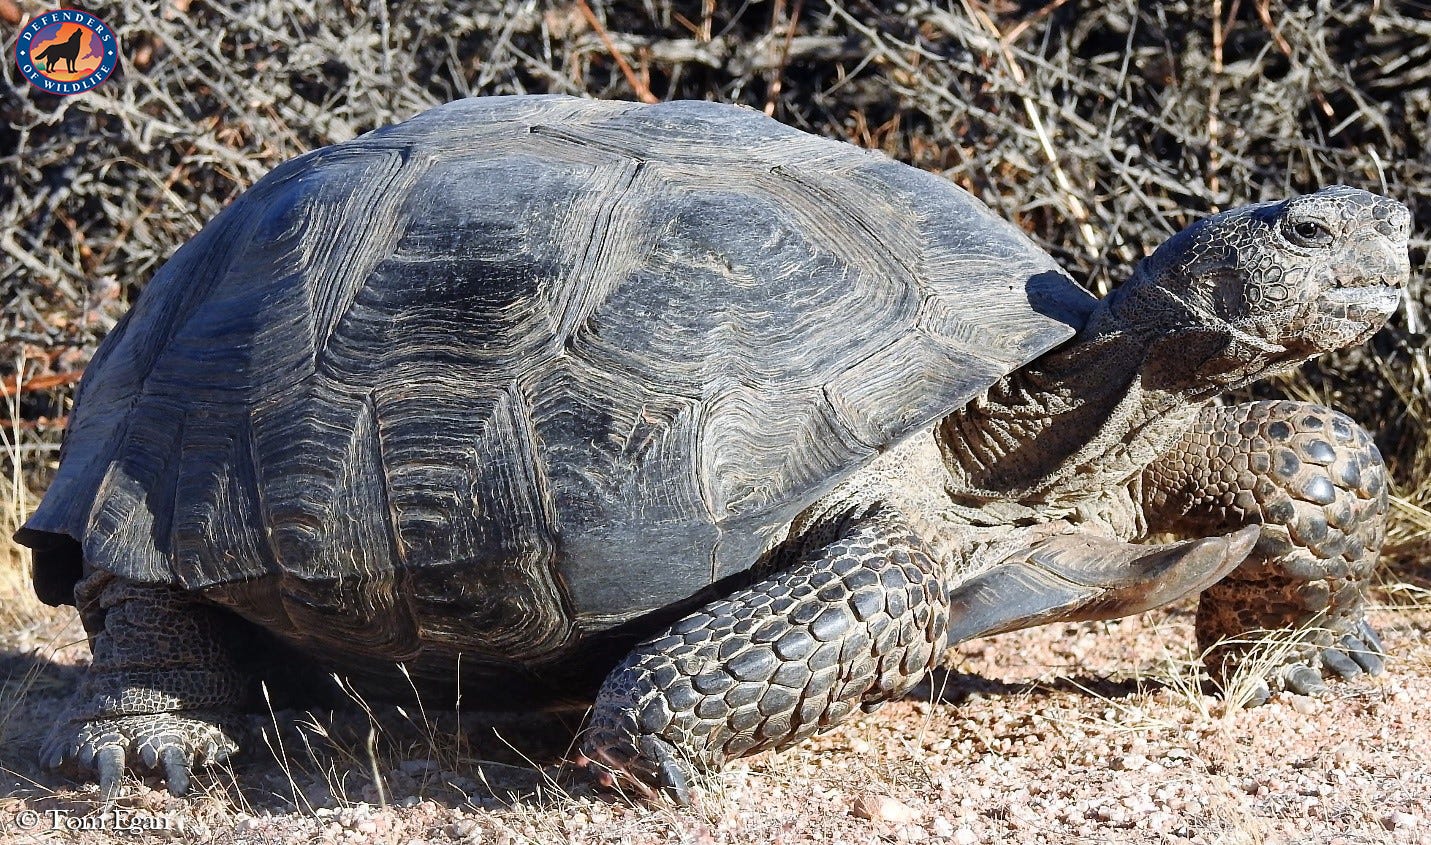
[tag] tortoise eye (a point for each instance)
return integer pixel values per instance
(1307, 233)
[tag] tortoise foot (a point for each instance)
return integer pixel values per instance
(1314, 482)
(1305, 670)
(158, 696)
(167, 744)
(648, 765)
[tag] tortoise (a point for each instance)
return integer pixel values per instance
(725, 427)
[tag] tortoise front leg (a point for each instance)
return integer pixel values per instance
(159, 692)
(854, 623)
(1314, 481)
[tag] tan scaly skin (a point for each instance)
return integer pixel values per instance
(1315, 482)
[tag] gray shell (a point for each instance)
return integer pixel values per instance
(554, 361)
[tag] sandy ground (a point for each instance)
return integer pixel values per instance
(1072, 733)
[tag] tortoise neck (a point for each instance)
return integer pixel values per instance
(1081, 419)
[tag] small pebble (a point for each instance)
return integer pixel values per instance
(460, 829)
(417, 767)
(942, 827)
(882, 807)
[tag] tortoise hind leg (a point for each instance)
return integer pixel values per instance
(1315, 483)
(160, 691)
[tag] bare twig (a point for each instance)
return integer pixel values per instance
(1264, 13)
(643, 93)
(772, 93)
(1023, 26)
(1070, 197)
(12, 386)
(1214, 88)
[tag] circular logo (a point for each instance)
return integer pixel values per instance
(66, 51)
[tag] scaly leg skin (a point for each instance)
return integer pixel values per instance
(1315, 482)
(854, 623)
(159, 694)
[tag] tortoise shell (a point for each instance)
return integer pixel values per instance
(521, 369)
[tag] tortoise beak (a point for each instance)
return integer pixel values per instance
(1352, 315)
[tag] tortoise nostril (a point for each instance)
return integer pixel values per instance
(1402, 221)
(1393, 219)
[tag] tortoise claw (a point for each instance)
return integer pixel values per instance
(672, 774)
(176, 771)
(1337, 661)
(657, 770)
(109, 765)
(1370, 637)
(1304, 680)
(1366, 655)
(1261, 694)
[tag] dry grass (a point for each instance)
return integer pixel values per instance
(1100, 128)
(19, 607)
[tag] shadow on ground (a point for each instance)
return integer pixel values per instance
(950, 687)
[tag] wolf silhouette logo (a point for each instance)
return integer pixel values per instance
(66, 51)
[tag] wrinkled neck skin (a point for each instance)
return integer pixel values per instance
(1090, 415)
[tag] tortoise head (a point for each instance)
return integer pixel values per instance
(1258, 289)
